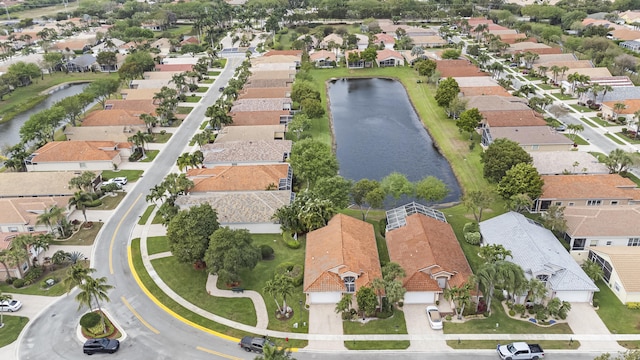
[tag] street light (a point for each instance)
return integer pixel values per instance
(6, 9)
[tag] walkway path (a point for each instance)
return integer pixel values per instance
(258, 301)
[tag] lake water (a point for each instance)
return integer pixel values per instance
(10, 130)
(378, 132)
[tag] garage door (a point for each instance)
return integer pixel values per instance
(419, 297)
(574, 296)
(325, 298)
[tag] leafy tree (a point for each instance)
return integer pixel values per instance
(83, 181)
(392, 275)
(469, 121)
(460, 296)
(447, 90)
(135, 65)
(274, 353)
(302, 90)
(336, 189)
(344, 305)
(431, 189)
(108, 59)
(554, 219)
(312, 160)
(425, 67)
(500, 156)
(367, 300)
(618, 161)
(477, 201)
(80, 200)
(593, 270)
(299, 124)
(521, 179)
(396, 185)
(102, 89)
(367, 192)
(41, 126)
(519, 203)
(189, 231)
(52, 59)
(456, 106)
(450, 54)
(76, 274)
(494, 252)
(312, 108)
(74, 106)
(230, 252)
(93, 290)
(280, 286)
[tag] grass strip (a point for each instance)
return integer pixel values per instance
(150, 155)
(492, 344)
(13, 326)
(615, 139)
(145, 216)
(377, 345)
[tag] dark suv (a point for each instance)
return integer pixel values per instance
(93, 346)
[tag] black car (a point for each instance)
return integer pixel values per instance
(221, 88)
(93, 346)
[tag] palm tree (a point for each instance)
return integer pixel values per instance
(555, 70)
(24, 241)
(16, 256)
(52, 215)
(479, 30)
(149, 120)
(4, 259)
(617, 107)
(487, 277)
(593, 270)
(378, 285)
(41, 243)
(3, 297)
(605, 90)
(459, 296)
(536, 290)
(80, 200)
(636, 116)
(94, 290)
(281, 285)
(76, 275)
(183, 161)
(139, 139)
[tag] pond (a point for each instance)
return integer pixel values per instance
(377, 132)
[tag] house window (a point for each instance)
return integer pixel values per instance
(535, 147)
(608, 243)
(13, 229)
(594, 202)
(616, 286)
(578, 244)
(593, 243)
(633, 242)
(604, 265)
(614, 202)
(558, 203)
(571, 204)
(31, 228)
(83, 165)
(350, 284)
(543, 278)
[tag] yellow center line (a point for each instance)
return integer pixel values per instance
(115, 233)
(213, 352)
(135, 313)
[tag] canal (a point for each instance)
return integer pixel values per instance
(377, 132)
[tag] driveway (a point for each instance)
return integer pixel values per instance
(323, 320)
(583, 319)
(423, 337)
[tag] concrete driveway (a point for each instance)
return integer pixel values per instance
(423, 337)
(323, 320)
(583, 319)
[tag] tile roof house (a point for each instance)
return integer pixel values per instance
(119, 134)
(249, 118)
(428, 40)
(75, 156)
(428, 251)
(494, 103)
(335, 38)
(537, 251)
(631, 106)
(458, 68)
(113, 118)
(37, 184)
(162, 44)
(589, 226)
(267, 83)
(586, 190)
(388, 57)
(323, 58)
(136, 107)
(624, 34)
(617, 94)
(241, 178)
(264, 93)
(386, 40)
(21, 214)
(620, 268)
(82, 63)
(530, 138)
(251, 133)
(139, 94)
(510, 118)
(246, 152)
(496, 90)
(264, 104)
(567, 162)
(295, 53)
(340, 258)
(174, 67)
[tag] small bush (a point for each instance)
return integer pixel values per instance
(10, 280)
(632, 305)
(382, 225)
(290, 241)
(512, 313)
(346, 315)
(267, 252)
(94, 203)
(448, 317)
(596, 302)
(89, 320)
(499, 296)
(473, 238)
(599, 114)
(32, 275)
(18, 283)
(471, 227)
(486, 314)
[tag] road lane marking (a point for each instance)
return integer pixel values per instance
(135, 313)
(213, 352)
(115, 233)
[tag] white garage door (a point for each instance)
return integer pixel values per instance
(419, 297)
(574, 296)
(324, 297)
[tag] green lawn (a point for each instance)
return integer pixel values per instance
(161, 138)
(13, 326)
(580, 108)
(618, 318)
(208, 81)
(180, 30)
(632, 345)
(577, 139)
(547, 87)
(601, 122)
(157, 219)
(214, 73)
(202, 89)
(491, 344)
(193, 99)
(131, 175)
(150, 155)
(157, 244)
(377, 345)
(615, 139)
(563, 96)
(183, 110)
(393, 325)
(111, 202)
(629, 139)
(145, 216)
(589, 122)
(82, 236)
(35, 289)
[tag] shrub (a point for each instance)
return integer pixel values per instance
(541, 315)
(18, 283)
(94, 203)
(290, 241)
(267, 252)
(193, 87)
(632, 305)
(294, 271)
(625, 130)
(382, 226)
(499, 296)
(471, 227)
(90, 320)
(10, 280)
(473, 238)
(486, 314)
(448, 317)
(520, 308)
(346, 315)
(512, 313)
(599, 114)
(596, 302)
(32, 275)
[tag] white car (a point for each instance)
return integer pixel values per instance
(435, 320)
(10, 305)
(120, 180)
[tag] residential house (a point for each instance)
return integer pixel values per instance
(428, 41)
(534, 47)
(340, 258)
(295, 53)
(530, 138)
(388, 57)
(118, 134)
(421, 241)
(174, 67)
(133, 106)
(287, 75)
(104, 46)
(496, 90)
(251, 133)
(458, 68)
(385, 40)
(266, 177)
(267, 83)
(496, 103)
(72, 45)
(615, 95)
(476, 82)
(362, 41)
(21, 214)
(589, 226)
(38, 184)
(139, 94)
(631, 106)
(113, 117)
(160, 75)
(624, 34)
(265, 104)
(264, 93)
(82, 63)
(586, 190)
(246, 152)
(75, 156)
(334, 39)
(152, 84)
(633, 45)
(567, 162)
(630, 17)
(620, 270)
(591, 72)
(323, 59)
(248, 118)
(540, 255)
(154, 26)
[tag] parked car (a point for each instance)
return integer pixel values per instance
(561, 127)
(10, 305)
(221, 88)
(435, 320)
(255, 344)
(520, 351)
(111, 181)
(93, 346)
(120, 180)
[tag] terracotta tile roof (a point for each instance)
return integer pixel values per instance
(74, 44)
(631, 106)
(609, 186)
(264, 93)
(112, 118)
(297, 53)
(237, 178)
(119, 134)
(624, 260)
(384, 38)
(64, 151)
(273, 74)
(191, 40)
(251, 133)
(542, 51)
(428, 246)
(332, 37)
(139, 94)
(260, 151)
(248, 118)
(262, 83)
(513, 118)
(323, 55)
(570, 64)
(25, 211)
(385, 54)
(134, 106)
(603, 221)
(458, 68)
(488, 90)
(159, 75)
(346, 244)
(625, 34)
(528, 45)
(174, 67)
(263, 104)
(493, 102)
(428, 39)
(28, 184)
(475, 81)
(531, 135)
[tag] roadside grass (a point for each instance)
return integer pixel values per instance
(35, 289)
(618, 318)
(580, 108)
(183, 110)
(204, 125)
(633, 178)
(615, 139)
(157, 244)
(161, 138)
(631, 345)
(223, 63)
(377, 345)
(492, 344)
(547, 87)
(215, 73)
(180, 30)
(110, 202)
(601, 122)
(393, 325)
(577, 139)
(13, 326)
(193, 99)
(157, 219)
(589, 122)
(208, 81)
(145, 216)
(563, 96)
(507, 325)
(24, 98)
(600, 156)
(256, 278)
(150, 155)
(629, 139)
(82, 236)
(202, 89)
(131, 175)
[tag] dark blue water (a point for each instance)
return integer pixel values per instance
(378, 132)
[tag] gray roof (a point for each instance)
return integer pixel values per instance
(397, 217)
(27, 184)
(263, 104)
(537, 251)
(530, 135)
(494, 102)
(250, 133)
(618, 94)
(83, 60)
(260, 151)
(557, 162)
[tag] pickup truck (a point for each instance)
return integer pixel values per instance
(520, 351)
(255, 344)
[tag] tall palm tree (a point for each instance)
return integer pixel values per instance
(76, 275)
(4, 259)
(24, 241)
(280, 286)
(617, 107)
(536, 290)
(80, 200)
(94, 290)
(52, 215)
(378, 285)
(139, 139)
(636, 117)
(41, 243)
(487, 277)
(16, 256)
